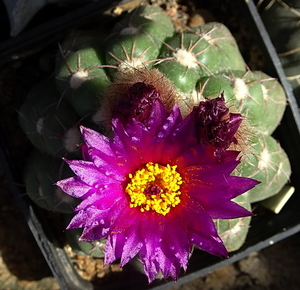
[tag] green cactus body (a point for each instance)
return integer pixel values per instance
(79, 39)
(268, 163)
(233, 232)
(135, 41)
(184, 78)
(249, 95)
(93, 249)
(274, 100)
(209, 51)
(261, 100)
(212, 87)
(50, 124)
(192, 57)
(130, 51)
(228, 56)
(161, 27)
(41, 173)
(80, 79)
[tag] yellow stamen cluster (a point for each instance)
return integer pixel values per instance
(155, 187)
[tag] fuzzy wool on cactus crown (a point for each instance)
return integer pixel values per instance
(154, 189)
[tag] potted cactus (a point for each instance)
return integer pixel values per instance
(166, 138)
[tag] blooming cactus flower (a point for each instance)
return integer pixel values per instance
(153, 190)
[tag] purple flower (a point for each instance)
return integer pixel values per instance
(154, 190)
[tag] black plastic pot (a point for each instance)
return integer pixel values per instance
(266, 228)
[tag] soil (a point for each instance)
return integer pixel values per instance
(22, 266)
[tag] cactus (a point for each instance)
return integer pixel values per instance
(266, 162)
(191, 55)
(80, 76)
(135, 41)
(143, 49)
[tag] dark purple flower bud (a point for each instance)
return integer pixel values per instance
(215, 124)
(139, 102)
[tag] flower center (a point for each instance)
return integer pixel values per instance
(155, 187)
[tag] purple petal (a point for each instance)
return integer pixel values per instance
(96, 140)
(239, 185)
(100, 221)
(218, 174)
(227, 210)
(113, 168)
(75, 187)
(194, 216)
(197, 155)
(124, 243)
(209, 243)
(87, 217)
(90, 174)
(94, 233)
(157, 117)
(104, 197)
(134, 146)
